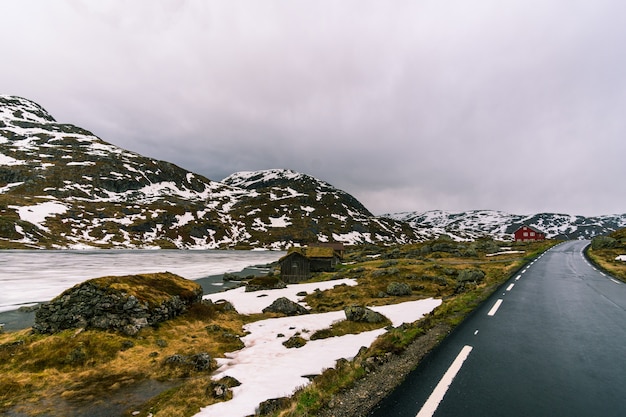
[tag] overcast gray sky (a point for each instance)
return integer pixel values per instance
(516, 105)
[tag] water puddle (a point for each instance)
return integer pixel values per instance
(125, 400)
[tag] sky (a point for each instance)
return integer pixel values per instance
(407, 105)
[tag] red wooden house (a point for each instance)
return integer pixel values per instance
(528, 234)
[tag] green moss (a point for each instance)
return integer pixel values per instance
(151, 288)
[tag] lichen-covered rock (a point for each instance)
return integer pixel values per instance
(363, 314)
(285, 306)
(199, 362)
(126, 304)
(294, 342)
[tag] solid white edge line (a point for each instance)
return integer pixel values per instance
(432, 403)
(495, 307)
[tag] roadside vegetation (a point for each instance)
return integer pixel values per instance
(605, 250)
(39, 373)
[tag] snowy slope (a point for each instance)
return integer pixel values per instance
(61, 186)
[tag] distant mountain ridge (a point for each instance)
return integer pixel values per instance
(63, 187)
(475, 224)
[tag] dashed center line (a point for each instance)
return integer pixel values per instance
(431, 404)
(495, 308)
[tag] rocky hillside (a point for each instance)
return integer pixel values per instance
(479, 223)
(63, 187)
(284, 205)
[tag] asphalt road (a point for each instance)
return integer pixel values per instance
(551, 342)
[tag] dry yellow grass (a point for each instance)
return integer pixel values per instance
(605, 258)
(84, 365)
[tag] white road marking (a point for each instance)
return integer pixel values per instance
(517, 277)
(495, 307)
(431, 404)
(510, 287)
(615, 281)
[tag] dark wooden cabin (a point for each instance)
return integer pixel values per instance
(299, 263)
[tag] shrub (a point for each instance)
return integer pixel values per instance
(387, 264)
(471, 275)
(398, 289)
(603, 242)
(487, 246)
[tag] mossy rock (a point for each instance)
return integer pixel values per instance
(126, 303)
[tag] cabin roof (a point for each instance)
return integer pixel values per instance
(534, 229)
(312, 252)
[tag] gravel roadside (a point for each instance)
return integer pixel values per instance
(359, 400)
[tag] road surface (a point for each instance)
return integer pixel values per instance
(551, 342)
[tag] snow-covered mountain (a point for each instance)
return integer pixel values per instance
(474, 224)
(61, 186)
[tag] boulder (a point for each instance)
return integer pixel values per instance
(264, 283)
(126, 304)
(363, 314)
(272, 406)
(286, 306)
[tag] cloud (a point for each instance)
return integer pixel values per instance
(407, 105)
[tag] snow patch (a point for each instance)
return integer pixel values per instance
(254, 302)
(505, 252)
(37, 214)
(7, 160)
(282, 221)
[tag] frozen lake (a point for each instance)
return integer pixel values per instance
(32, 276)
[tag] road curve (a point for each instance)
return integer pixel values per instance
(550, 342)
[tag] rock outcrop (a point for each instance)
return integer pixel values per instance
(125, 304)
